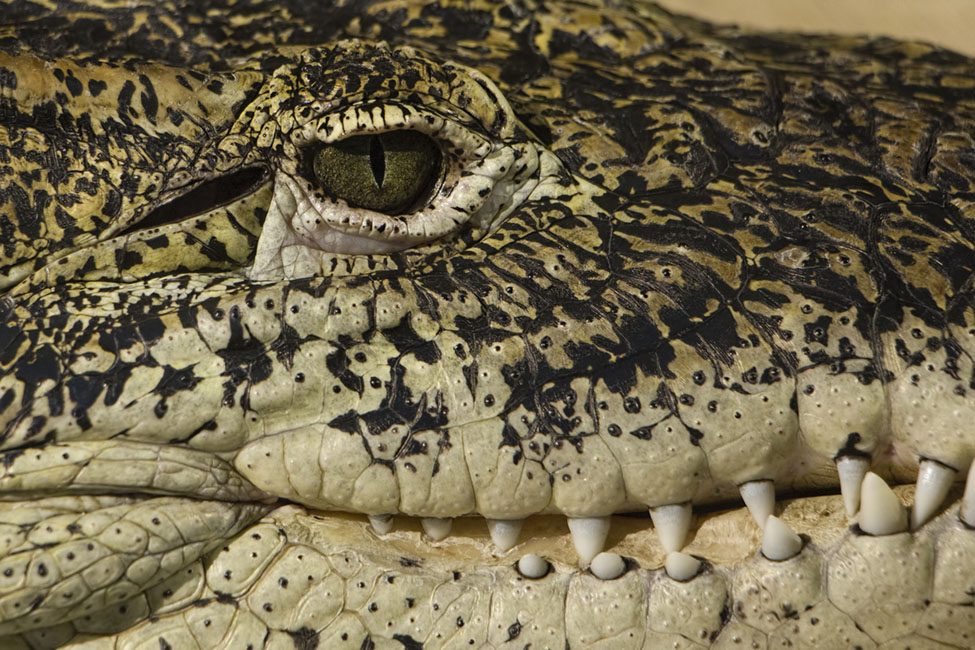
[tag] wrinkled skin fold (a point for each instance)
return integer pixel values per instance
(663, 265)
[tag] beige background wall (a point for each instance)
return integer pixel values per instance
(950, 23)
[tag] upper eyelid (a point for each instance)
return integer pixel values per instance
(436, 126)
(419, 101)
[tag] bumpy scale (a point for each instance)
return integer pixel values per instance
(609, 260)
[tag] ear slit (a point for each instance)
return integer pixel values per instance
(206, 196)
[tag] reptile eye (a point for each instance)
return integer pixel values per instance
(391, 172)
(376, 178)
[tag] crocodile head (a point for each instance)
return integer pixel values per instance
(291, 289)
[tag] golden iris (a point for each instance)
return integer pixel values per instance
(389, 172)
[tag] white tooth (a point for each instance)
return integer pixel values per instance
(532, 566)
(607, 566)
(588, 536)
(759, 496)
(779, 541)
(851, 470)
(672, 523)
(435, 528)
(681, 566)
(967, 511)
(504, 532)
(382, 524)
(881, 512)
(933, 482)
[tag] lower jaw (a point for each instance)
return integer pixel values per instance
(844, 588)
(307, 579)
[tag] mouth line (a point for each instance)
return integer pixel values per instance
(143, 473)
(721, 535)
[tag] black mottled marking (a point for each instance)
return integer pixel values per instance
(176, 380)
(148, 99)
(39, 365)
(8, 78)
(407, 341)
(127, 259)
(113, 204)
(125, 101)
(73, 85)
(818, 331)
(408, 642)
(6, 399)
(304, 638)
(27, 217)
(337, 363)
(643, 433)
(96, 86)
(347, 422)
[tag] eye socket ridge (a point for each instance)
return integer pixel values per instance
(476, 181)
(390, 172)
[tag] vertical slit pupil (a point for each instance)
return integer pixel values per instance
(377, 159)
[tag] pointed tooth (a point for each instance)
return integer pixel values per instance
(382, 524)
(532, 566)
(436, 528)
(851, 470)
(759, 496)
(933, 482)
(681, 566)
(779, 541)
(588, 536)
(672, 523)
(504, 532)
(881, 512)
(967, 511)
(607, 566)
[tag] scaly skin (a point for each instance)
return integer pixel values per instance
(665, 260)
